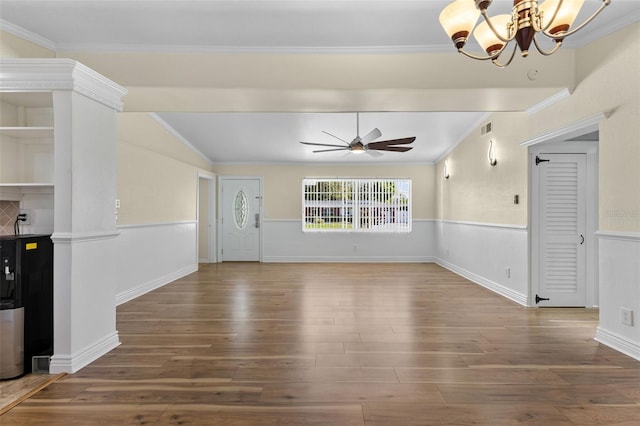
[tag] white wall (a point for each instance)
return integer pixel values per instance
(284, 241)
(482, 252)
(150, 256)
(84, 232)
(157, 185)
(620, 268)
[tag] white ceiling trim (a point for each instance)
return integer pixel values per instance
(561, 95)
(27, 35)
(571, 130)
(112, 48)
(476, 126)
(181, 138)
(323, 163)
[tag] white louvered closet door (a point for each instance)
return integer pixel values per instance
(562, 215)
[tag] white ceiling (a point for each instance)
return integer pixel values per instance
(266, 26)
(274, 137)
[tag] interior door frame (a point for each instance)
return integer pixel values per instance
(590, 149)
(221, 182)
(557, 141)
(211, 219)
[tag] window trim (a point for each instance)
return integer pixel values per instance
(355, 213)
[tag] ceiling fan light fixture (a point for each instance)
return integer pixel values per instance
(365, 144)
(358, 148)
(553, 18)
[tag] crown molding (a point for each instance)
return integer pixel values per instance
(471, 129)
(561, 95)
(31, 74)
(346, 50)
(577, 128)
(27, 35)
(168, 127)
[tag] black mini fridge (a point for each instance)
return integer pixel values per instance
(26, 302)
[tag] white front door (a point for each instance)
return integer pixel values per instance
(241, 219)
(562, 230)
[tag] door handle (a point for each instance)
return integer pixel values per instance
(257, 220)
(582, 239)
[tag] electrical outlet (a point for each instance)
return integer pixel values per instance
(117, 204)
(626, 316)
(27, 214)
(507, 272)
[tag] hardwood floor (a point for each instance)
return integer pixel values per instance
(343, 344)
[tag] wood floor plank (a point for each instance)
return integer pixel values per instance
(511, 393)
(339, 344)
(463, 414)
(252, 415)
(350, 392)
(479, 376)
(65, 414)
(608, 415)
(316, 374)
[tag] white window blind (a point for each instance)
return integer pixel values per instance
(356, 205)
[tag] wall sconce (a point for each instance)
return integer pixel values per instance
(446, 170)
(492, 154)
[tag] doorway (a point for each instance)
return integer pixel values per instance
(240, 219)
(205, 219)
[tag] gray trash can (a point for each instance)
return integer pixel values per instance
(11, 342)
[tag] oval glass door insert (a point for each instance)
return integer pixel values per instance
(241, 209)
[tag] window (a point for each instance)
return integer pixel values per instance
(356, 205)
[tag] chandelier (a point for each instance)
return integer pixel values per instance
(553, 18)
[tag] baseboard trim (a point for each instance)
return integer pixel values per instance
(347, 259)
(76, 361)
(488, 284)
(619, 343)
(154, 284)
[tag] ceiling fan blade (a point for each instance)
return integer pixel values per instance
(373, 153)
(402, 141)
(323, 144)
(371, 136)
(334, 136)
(346, 148)
(395, 148)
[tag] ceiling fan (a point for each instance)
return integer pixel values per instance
(366, 143)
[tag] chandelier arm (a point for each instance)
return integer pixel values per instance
(553, 18)
(547, 52)
(481, 58)
(561, 36)
(513, 54)
(487, 19)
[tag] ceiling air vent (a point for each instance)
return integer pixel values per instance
(486, 129)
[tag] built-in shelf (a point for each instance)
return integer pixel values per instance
(15, 191)
(26, 185)
(28, 99)
(27, 132)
